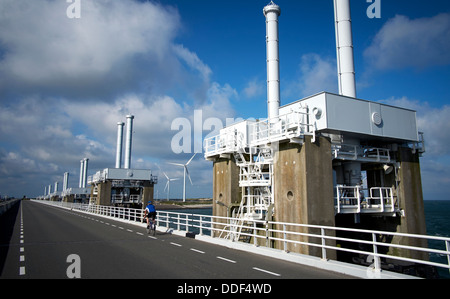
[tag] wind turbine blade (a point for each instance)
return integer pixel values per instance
(191, 159)
(167, 185)
(189, 176)
(177, 164)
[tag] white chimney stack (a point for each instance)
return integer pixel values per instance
(80, 184)
(66, 181)
(128, 141)
(272, 12)
(344, 45)
(119, 144)
(85, 169)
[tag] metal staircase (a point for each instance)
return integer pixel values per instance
(256, 178)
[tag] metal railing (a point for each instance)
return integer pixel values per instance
(268, 233)
(294, 124)
(286, 126)
(5, 205)
(350, 199)
(360, 153)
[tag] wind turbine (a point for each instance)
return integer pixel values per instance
(186, 171)
(168, 183)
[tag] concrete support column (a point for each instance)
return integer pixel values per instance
(410, 196)
(226, 190)
(147, 194)
(303, 191)
(104, 194)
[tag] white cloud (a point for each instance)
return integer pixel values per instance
(67, 82)
(419, 43)
(43, 48)
(255, 88)
(193, 61)
(316, 74)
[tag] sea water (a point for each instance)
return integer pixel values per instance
(437, 218)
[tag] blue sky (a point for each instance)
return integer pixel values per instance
(65, 83)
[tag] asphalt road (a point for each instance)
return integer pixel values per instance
(49, 242)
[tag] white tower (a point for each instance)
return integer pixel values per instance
(344, 45)
(128, 141)
(119, 144)
(272, 12)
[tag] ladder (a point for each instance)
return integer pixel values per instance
(256, 177)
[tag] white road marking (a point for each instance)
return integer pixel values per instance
(139, 233)
(265, 271)
(227, 260)
(21, 249)
(196, 250)
(176, 244)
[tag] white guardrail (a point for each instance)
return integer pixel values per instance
(263, 232)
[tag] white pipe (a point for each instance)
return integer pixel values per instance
(272, 12)
(119, 144)
(80, 184)
(85, 169)
(128, 141)
(344, 47)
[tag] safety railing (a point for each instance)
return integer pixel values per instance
(5, 205)
(255, 176)
(294, 124)
(351, 199)
(368, 243)
(229, 141)
(360, 153)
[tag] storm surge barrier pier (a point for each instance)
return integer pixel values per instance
(269, 238)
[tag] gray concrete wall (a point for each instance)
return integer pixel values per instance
(303, 189)
(411, 201)
(226, 190)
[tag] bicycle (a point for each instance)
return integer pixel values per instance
(151, 225)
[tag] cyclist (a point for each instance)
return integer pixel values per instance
(150, 213)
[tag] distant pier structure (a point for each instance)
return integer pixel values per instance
(123, 186)
(328, 159)
(119, 186)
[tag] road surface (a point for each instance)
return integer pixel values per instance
(48, 242)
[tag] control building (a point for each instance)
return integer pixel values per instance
(328, 159)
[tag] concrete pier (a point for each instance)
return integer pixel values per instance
(303, 188)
